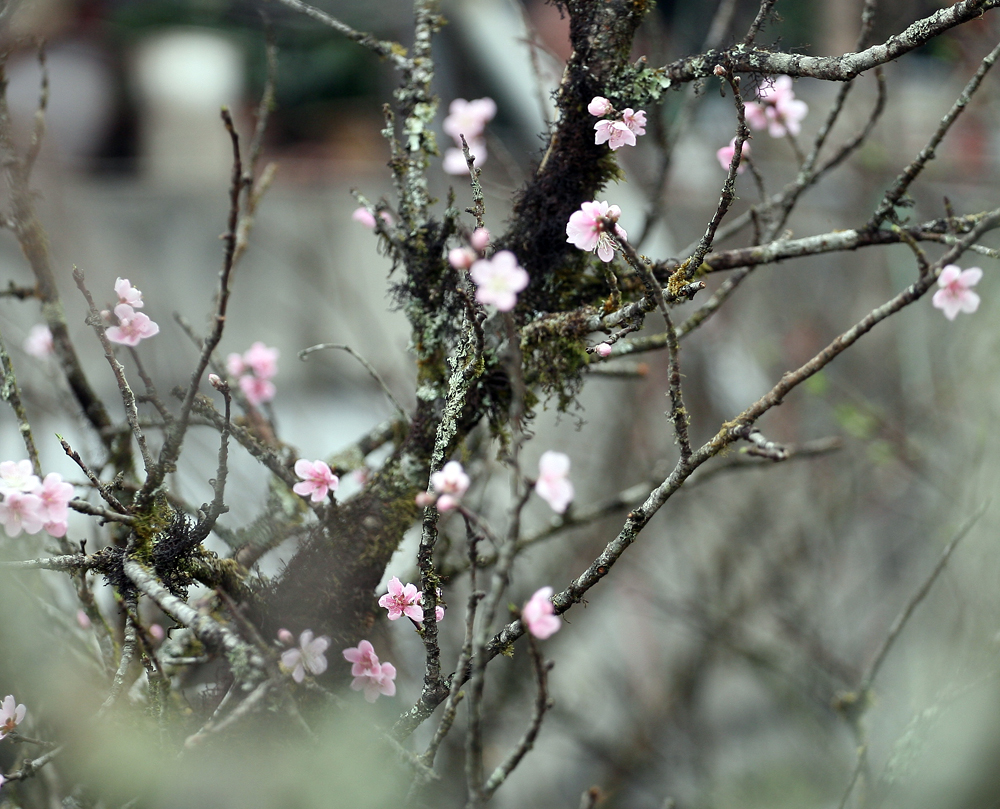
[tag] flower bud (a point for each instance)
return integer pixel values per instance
(461, 258)
(599, 106)
(480, 239)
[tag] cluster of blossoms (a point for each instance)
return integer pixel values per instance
(254, 370)
(306, 657)
(539, 616)
(620, 131)
(38, 343)
(553, 484)
(468, 118)
(317, 479)
(369, 674)
(30, 504)
(955, 294)
(586, 229)
(777, 110)
(11, 715)
(132, 326)
(405, 600)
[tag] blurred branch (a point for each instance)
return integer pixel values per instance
(921, 592)
(387, 50)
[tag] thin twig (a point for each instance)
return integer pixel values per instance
(102, 489)
(910, 173)
(542, 704)
(919, 594)
(10, 393)
(387, 50)
(305, 352)
(128, 397)
(174, 438)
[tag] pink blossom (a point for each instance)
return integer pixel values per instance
(498, 280)
(425, 499)
(364, 216)
(438, 613)
(254, 370)
(955, 294)
(599, 106)
(10, 715)
(755, 115)
(363, 657)
(307, 657)
(469, 118)
(447, 502)
(586, 230)
(402, 600)
(778, 110)
(377, 682)
(286, 637)
(132, 326)
(20, 511)
(553, 484)
(603, 350)
(451, 479)
(451, 483)
(615, 133)
(480, 239)
(235, 365)
(83, 619)
(454, 159)
(778, 91)
(38, 343)
(786, 117)
(257, 390)
(461, 258)
(539, 616)
(16, 476)
(725, 155)
(216, 381)
(128, 294)
(157, 632)
(374, 677)
(317, 479)
(263, 361)
(56, 528)
(636, 121)
(55, 495)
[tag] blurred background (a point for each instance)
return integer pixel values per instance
(713, 666)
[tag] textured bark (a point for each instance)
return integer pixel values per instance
(573, 168)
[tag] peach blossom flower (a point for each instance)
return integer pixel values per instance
(498, 280)
(955, 294)
(317, 479)
(539, 616)
(553, 484)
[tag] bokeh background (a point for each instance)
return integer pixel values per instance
(712, 667)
